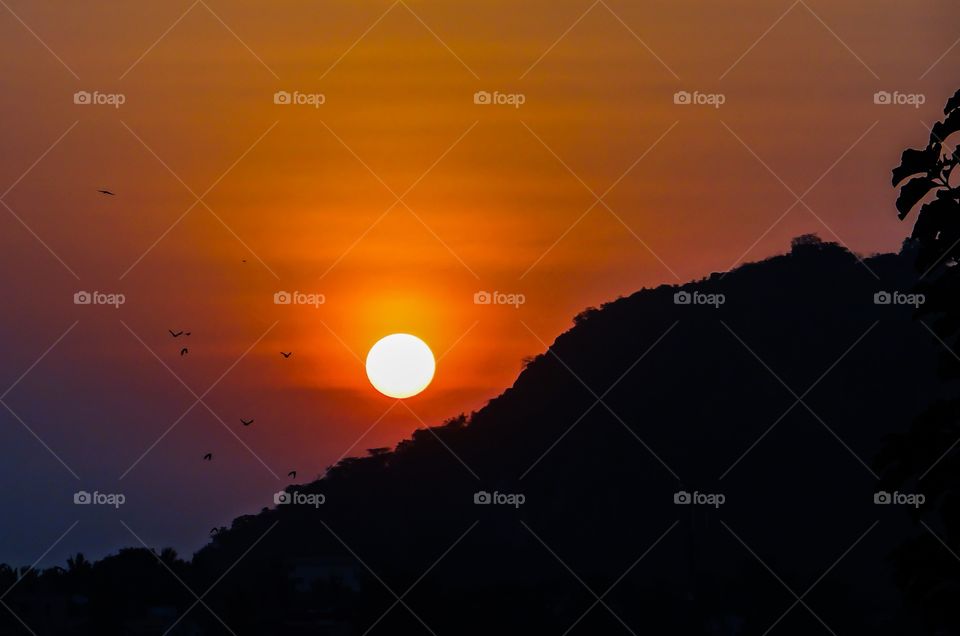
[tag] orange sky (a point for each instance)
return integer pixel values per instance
(497, 195)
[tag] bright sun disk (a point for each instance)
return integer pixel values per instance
(400, 365)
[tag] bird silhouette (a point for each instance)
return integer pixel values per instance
(285, 354)
(246, 422)
(292, 474)
(184, 351)
(106, 192)
(208, 456)
(175, 335)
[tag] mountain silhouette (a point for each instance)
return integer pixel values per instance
(765, 394)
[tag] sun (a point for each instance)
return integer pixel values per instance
(400, 365)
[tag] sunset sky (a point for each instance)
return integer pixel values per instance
(398, 199)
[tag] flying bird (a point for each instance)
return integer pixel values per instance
(106, 192)
(246, 422)
(292, 474)
(208, 456)
(184, 351)
(177, 334)
(285, 354)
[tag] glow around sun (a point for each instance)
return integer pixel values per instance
(400, 365)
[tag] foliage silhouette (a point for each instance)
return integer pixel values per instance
(937, 225)
(923, 458)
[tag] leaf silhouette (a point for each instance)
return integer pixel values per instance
(945, 128)
(911, 194)
(915, 161)
(952, 103)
